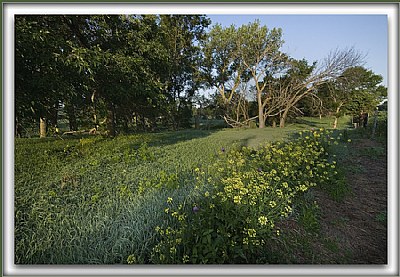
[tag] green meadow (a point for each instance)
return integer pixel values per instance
(96, 200)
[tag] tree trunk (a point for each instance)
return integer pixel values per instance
(274, 123)
(43, 127)
(143, 122)
(18, 128)
(261, 120)
(126, 124)
(53, 119)
(375, 123)
(282, 120)
(197, 122)
(335, 122)
(73, 125)
(336, 117)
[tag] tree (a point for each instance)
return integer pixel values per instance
(222, 68)
(234, 56)
(293, 87)
(237, 114)
(40, 82)
(259, 53)
(120, 57)
(302, 80)
(112, 70)
(182, 35)
(356, 91)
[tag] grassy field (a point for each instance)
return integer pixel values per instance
(93, 200)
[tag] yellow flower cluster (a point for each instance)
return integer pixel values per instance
(245, 193)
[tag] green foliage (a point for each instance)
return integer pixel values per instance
(309, 216)
(233, 57)
(40, 75)
(331, 244)
(363, 87)
(124, 73)
(337, 187)
(381, 128)
(356, 91)
(245, 194)
(96, 68)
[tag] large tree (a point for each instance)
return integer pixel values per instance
(40, 79)
(259, 52)
(121, 57)
(222, 68)
(356, 91)
(182, 35)
(108, 71)
(234, 56)
(301, 79)
(223, 71)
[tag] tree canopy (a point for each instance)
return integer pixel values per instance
(356, 91)
(115, 73)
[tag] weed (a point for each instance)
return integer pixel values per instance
(341, 221)
(336, 186)
(355, 169)
(309, 216)
(373, 152)
(381, 217)
(331, 244)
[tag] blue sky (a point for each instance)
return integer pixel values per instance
(313, 36)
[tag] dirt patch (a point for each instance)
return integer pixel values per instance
(355, 230)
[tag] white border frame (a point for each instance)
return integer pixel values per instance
(10, 9)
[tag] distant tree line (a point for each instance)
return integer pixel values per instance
(123, 73)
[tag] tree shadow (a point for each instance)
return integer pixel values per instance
(172, 137)
(307, 122)
(246, 141)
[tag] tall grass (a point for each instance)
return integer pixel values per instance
(92, 200)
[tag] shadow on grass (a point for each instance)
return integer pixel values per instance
(246, 141)
(172, 137)
(307, 122)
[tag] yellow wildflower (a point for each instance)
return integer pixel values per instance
(185, 259)
(263, 220)
(252, 233)
(236, 199)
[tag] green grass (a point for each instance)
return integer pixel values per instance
(92, 200)
(77, 200)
